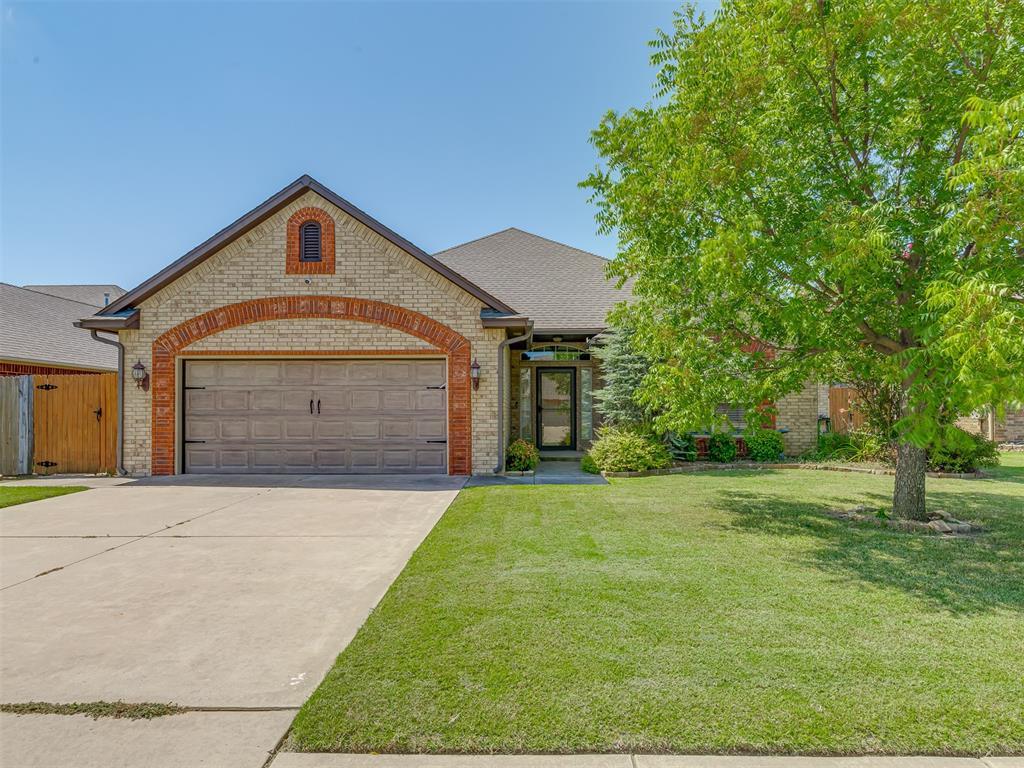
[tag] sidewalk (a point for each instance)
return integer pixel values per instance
(320, 760)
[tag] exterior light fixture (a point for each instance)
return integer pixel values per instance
(474, 374)
(140, 375)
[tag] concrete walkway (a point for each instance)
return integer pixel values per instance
(549, 472)
(231, 594)
(295, 760)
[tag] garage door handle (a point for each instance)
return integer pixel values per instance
(310, 406)
(317, 407)
(437, 441)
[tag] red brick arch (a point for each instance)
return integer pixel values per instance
(169, 344)
(292, 264)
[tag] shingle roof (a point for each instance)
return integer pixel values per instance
(557, 286)
(37, 327)
(93, 295)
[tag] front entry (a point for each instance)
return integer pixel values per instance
(556, 408)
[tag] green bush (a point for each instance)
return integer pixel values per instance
(521, 456)
(721, 447)
(764, 444)
(959, 451)
(868, 446)
(622, 450)
(587, 464)
(681, 447)
(833, 445)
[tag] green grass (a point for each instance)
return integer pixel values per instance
(715, 612)
(20, 494)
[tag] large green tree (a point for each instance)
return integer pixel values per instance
(840, 180)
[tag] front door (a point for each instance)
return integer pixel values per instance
(556, 408)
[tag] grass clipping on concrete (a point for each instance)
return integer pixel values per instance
(96, 709)
(711, 613)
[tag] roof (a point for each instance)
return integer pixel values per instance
(38, 328)
(558, 287)
(93, 295)
(267, 209)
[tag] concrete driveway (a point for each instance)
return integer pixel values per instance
(229, 594)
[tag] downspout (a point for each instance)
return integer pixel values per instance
(120, 398)
(501, 393)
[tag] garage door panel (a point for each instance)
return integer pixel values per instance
(373, 416)
(200, 401)
(429, 399)
(365, 400)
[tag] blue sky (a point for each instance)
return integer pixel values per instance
(132, 132)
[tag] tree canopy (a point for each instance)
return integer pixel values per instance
(841, 181)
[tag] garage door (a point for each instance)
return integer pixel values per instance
(315, 416)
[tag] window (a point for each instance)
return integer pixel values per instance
(555, 352)
(525, 405)
(735, 415)
(309, 241)
(586, 404)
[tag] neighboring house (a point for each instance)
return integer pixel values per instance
(309, 337)
(1008, 429)
(94, 295)
(37, 335)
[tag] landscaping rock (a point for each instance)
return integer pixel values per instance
(940, 526)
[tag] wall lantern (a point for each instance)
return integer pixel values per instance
(140, 376)
(474, 374)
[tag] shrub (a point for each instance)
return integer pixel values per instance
(681, 447)
(833, 445)
(764, 444)
(521, 456)
(959, 451)
(587, 464)
(622, 450)
(721, 447)
(869, 446)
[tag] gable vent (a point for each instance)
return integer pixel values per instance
(309, 238)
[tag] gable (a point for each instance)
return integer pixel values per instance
(250, 228)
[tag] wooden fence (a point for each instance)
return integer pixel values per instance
(845, 417)
(58, 424)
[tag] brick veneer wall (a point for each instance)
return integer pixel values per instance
(798, 413)
(367, 267)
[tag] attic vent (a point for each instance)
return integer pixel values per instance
(309, 240)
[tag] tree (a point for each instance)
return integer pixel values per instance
(840, 181)
(623, 369)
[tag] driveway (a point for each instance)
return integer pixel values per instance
(229, 594)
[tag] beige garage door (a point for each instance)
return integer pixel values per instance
(315, 416)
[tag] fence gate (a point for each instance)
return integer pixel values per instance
(75, 426)
(845, 417)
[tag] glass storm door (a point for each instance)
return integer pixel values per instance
(556, 408)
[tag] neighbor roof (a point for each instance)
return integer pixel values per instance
(268, 208)
(95, 295)
(558, 287)
(38, 328)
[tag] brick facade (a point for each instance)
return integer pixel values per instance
(799, 413)
(378, 301)
(1009, 429)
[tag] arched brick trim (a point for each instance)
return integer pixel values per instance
(293, 266)
(169, 344)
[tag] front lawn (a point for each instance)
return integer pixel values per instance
(19, 494)
(715, 612)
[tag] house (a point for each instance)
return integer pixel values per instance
(309, 337)
(37, 335)
(1009, 428)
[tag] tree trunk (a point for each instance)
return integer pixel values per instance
(908, 495)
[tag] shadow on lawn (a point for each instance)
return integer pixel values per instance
(968, 575)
